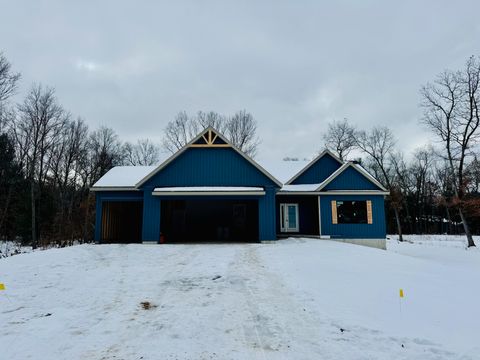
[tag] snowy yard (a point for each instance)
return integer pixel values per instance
(297, 299)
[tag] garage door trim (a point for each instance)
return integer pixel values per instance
(208, 191)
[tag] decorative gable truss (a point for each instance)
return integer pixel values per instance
(210, 139)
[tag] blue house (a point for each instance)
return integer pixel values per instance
(211, 191)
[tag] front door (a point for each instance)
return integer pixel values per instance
(289, 217)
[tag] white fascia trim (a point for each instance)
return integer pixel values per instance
(114, 188)
(206, 193)
(305, 168)
(369, 176)
(297, 193)
(357, 167)
(353, 192)
(333, 176)
(246, 157)
(335, 192)
(179, 152)
(168, 161)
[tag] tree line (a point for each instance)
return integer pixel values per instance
(48, 162)
(437, 189)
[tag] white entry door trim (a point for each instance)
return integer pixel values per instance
(289, 217)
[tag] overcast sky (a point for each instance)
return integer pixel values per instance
(133, 65)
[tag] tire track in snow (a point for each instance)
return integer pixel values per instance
(167, 267)
(247, 258)
(261, 331)
(281, 322)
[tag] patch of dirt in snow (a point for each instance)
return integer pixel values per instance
(147, 305)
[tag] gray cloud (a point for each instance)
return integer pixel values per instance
(294, 65)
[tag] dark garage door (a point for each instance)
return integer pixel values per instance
(209, 220)
(122, 221)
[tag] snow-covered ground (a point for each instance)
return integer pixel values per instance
(458, 241)
(10, 248)
(296, 299)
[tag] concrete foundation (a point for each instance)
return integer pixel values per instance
(375, 243)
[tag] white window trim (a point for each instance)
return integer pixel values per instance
(284, 217)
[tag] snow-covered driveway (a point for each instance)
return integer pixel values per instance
(227, 301)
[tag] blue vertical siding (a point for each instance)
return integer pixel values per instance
(210, 167)
(102, 196)
(151, 216)
(351, 179)
(318, 171)
(376, 230)
(98, 217)
(225, 167)
(307, 213)
(266, 215)
(266, 210)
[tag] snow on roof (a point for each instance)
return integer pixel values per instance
(208, 188)
(123, 176)
(300, 188)
(284, 170)
(129, 176)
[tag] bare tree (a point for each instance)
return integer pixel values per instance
(8, 79)
(105, 152)
(443, 179)
(143, 152)
(379, 144)
(206, 119)
(240, 129)
(178, 132)
(340, 138)
(8, 86)
(9, 171)
(473, 175)
(41, 119)
(65, 163)
(451, 112)
(401, 178)
(420, 171)
(10, 178)
(66, 156)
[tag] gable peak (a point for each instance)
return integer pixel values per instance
(210, 137)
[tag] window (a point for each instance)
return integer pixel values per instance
(352, 212)
(289, 217)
